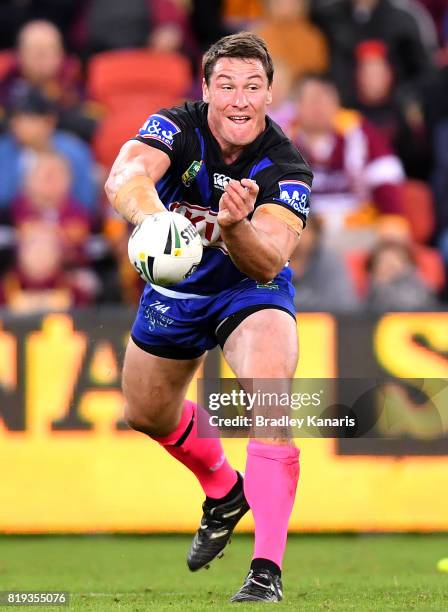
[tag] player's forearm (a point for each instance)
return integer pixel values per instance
(252, 251)
(131, 183)
(134, 198)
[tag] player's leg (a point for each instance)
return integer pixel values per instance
(170, 335)
(272, 469)
(154, 388)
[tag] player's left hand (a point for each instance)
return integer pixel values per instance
(237, 201)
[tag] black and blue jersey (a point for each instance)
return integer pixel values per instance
(196, 179)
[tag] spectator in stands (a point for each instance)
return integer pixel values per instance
(172, 28)
(435, 104)
(41, 63)
(283, 109)
(405, 29)
(160, 25)
(115, 24)
(291, 37)
(396, 113)
(356, 174)
(396, 233)
(321, 279)
(38, 281)
(394, 282)
(32, 129)
(46, 197)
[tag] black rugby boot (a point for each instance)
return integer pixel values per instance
(260, 585)
(216, 528)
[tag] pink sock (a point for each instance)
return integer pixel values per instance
(203, 456)
(270, 483)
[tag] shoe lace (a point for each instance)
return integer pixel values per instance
(259, 583)
(209, 520)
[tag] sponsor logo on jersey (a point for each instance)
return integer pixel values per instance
(295, 194)
(204, 220)
(220, 181)
(160, 128)
(191, 173)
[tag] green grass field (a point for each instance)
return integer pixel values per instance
(142, 573)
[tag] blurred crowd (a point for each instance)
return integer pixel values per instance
(361, 86)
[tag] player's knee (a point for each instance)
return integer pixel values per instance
(153, 423)
(148, 425)
(138, 421)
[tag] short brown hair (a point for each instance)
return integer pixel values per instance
(244, 45)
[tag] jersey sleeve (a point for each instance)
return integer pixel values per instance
(166, 131)
(288, 186)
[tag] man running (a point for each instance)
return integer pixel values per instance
(229, 169)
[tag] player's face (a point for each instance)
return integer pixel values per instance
(238, 94)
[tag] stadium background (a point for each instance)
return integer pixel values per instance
(68, 293)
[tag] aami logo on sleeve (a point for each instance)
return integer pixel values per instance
(295, 194)
(160, 128)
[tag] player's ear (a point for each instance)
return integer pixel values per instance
(269, 96)
(205, 92)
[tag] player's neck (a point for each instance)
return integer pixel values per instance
(230, 153)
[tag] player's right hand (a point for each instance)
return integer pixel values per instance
(237, 201)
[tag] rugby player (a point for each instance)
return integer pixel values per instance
(228, 168)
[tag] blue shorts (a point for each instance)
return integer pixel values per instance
(185, 327)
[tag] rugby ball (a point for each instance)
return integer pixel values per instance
(165, 248)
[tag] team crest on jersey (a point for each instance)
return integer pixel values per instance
(295, 194)
(160, 128)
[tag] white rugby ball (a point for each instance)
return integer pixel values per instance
(165, 248)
